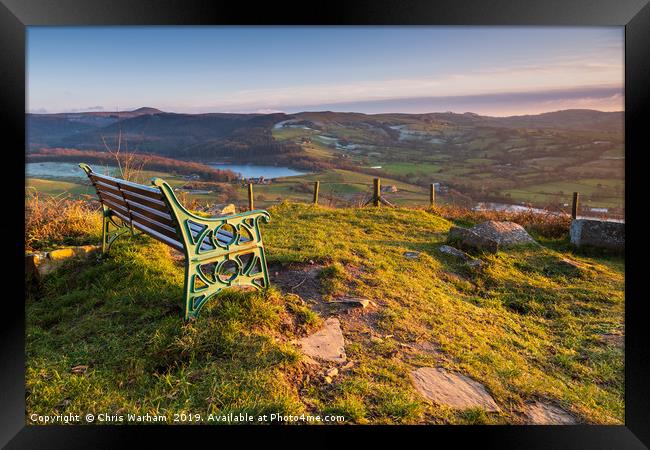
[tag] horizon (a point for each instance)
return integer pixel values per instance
(322, 111)
(489, 71)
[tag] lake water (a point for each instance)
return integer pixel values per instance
(254, 171)
(72, 170)
(63, 170)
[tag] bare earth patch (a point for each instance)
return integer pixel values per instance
(546, 414)
(299, 279)
(616, 340)
(452, 389)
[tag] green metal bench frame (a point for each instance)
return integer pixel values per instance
(220, 252)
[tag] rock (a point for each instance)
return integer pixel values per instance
(598, 233)
(61, 253)
(328, 380)
(490, 236)
(326, 344)
(349, 365)
(37, 265)
(332, 372)
(452, 389)
(545, 414)
(570, 264)
(411, 255)
(476, 263)
(361, 302)
(469, 240)
(376, 339)
(506, 234)
(449, 250)
(85, 249)
(32, 263)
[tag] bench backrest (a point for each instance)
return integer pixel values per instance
(142, 207)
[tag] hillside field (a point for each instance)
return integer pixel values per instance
(108, 336)
(538, 159)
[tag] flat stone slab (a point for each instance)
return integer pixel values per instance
(452, 251)
(326, 344)
(546, 414)
(452, 389)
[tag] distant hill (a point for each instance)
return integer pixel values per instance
(47, 130)
(249, 137)
(585, 119)
(577, 119)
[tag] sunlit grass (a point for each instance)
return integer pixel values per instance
(525, 326)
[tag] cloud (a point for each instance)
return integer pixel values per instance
(562, 73)
(86, 109)
(603, 98)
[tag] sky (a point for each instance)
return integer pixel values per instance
(497, 71)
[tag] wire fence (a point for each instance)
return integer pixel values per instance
(378, 197)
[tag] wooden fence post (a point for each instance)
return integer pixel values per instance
(377, 193)
(316, 189)
(432, 195)
(575, 206)
(250, 196)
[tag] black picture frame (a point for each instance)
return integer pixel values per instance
(16, 15)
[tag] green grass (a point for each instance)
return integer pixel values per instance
(610, 192)
(524, 326)
(407, 168)
(57, 187)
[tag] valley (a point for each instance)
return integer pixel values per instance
(538, 160)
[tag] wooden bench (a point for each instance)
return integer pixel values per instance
(220, 252)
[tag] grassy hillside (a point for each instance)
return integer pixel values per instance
(107, 336)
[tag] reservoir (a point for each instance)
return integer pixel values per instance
(64, 170)
(254, 171)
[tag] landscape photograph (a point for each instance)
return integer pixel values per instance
(413, 225)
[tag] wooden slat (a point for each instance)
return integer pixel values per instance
(100, 185)
(145, 191)
(145, 209)
(162, 238)
(113, 203)
(128, 186)
(152, 214)
(140, 206)
(147, 201)
(160, 228)
(153, 233)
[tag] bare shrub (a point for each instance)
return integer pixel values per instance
(51, 221)
(551, 225)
